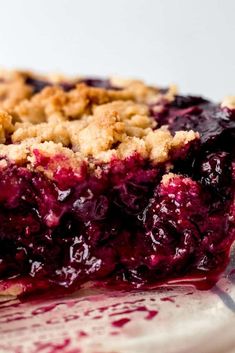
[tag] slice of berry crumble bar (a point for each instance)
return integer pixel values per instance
(111, 181)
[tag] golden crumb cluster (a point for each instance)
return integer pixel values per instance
(83, 122)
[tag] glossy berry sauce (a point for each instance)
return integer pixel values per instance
(125, 227)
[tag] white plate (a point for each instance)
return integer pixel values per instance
(167, 320)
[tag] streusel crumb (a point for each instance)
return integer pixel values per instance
(228, 102)
(166, 178)
(69, 117)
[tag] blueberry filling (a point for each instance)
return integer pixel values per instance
(94, 82)
(39, 85)
(126, 225)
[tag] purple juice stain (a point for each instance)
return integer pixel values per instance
(167, 299)
(121, 322)
(44, 309)
(65, 347)
(150, 313)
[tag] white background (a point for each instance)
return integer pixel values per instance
(188, 42)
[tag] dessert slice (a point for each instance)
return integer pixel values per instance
(112, 181)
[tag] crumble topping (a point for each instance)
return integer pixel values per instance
(166, 178)
(84, 122)
(6, 126)
(228, 102)
(13, 89)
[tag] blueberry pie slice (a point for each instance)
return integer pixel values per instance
(112, 182)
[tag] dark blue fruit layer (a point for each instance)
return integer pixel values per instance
(38, 85)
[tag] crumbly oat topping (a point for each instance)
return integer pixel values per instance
(13, 89)
(83, 122)
(166, 178)
(228, 102)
